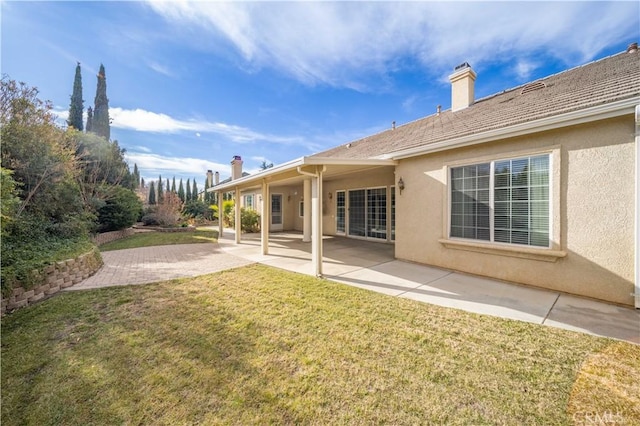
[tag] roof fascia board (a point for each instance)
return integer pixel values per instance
(295, 164)
(599, 112)
(281, 168)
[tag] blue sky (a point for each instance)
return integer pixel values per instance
(190, 84)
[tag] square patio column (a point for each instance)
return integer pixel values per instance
(220, 220)
(306, 215)
(316, 223)
(264, 219)
(238, 216)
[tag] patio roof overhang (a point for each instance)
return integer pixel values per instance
(296, 170)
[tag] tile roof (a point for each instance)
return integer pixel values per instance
(611, 79)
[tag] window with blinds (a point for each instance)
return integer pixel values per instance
(503, 201)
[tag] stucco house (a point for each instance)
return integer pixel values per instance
(536, 185)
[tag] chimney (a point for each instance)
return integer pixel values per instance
(633, 48)
(217, 178)
(209, 178)
(236, 167)
(462, 87)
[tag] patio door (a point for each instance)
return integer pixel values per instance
(341, 209)
(276, 212)
(368, 213)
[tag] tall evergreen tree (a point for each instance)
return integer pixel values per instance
(206, 195)
(89, 126)
(101, 125)
(160, 194)
(141, 182)
(187, 191)
(77, 104)
(152, 194)
(181, 192)
(194, 191)
(136, 176)
(167, 188)
(173, 185)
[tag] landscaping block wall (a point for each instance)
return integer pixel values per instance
(107, 237)
(53, 278)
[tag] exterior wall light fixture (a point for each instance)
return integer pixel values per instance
(400, 185)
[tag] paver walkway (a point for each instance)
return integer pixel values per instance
(159, 263)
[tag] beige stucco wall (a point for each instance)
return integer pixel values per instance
(593, 214)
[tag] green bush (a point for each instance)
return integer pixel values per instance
(228, 212)
(250, 220)
(120, 211)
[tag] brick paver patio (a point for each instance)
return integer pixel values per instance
(159, 263)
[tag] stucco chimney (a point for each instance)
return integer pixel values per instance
(236, 167)
(462, 86)
(217, 178)
(210, 178)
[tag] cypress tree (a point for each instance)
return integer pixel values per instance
(206, 195)
(167, 188)
(187, 191)
(152, 194)
(173, 185)
(141, 182)
(136, 176)
(194, 191)
(89, 126)
(160, 194)
(181, 191)
(77, 104)
(101, 126)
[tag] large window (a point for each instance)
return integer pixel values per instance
(368, 213)
(502, 201)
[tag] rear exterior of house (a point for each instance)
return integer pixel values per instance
(536, 185)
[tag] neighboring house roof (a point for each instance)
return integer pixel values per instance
(227, 180)
(605, 81)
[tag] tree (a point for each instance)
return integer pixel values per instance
(136, 176)
(265, 166)
(101, 125)
(207, 195)
(9, 200)
(181, 191)
(160, 192)
(173, 185)
(168, 187)
(194, 190)
(187, 192)
(89, 126)
(152, 194)
(77, 104)
(120, 211)
(142, 183)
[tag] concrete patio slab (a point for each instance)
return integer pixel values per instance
(590, 316)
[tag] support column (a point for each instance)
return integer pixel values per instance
(637, 210)
(220, 220)
(316, 223)
(306, 194)
(265, 219)
(238, 217)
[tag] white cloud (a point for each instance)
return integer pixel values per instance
(147, 121)
(154, 164)
(340, 43)
(161, 69)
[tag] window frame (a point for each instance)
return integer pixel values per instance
(549, 253)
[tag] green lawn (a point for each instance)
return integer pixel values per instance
(257, 345)
(145, 239)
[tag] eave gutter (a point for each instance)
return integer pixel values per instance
(636, 293)
(601, 112)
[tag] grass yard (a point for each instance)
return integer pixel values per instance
(145, 239)
(257, 345)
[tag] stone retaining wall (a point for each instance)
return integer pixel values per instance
(107, 237)
(53, 278)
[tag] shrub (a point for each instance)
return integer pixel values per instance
(120, 211)
(228, 212)
(249, 220)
